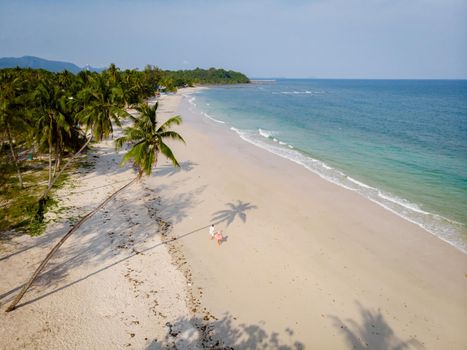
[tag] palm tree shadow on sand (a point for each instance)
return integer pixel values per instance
(223, 333)
(169, 170)
(234, 210)
(372, 333)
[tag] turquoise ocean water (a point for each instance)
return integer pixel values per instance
(400, 143)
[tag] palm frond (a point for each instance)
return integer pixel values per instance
(166, 151)
(177, 120)
(172, 135)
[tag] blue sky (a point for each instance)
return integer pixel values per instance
(275, 38)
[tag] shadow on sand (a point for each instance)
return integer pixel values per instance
(223, 333)
(117, 237)
(234, 210)
(373, 332)
(170, 170)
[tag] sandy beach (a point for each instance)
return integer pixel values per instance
(305, 260)
(304, 263)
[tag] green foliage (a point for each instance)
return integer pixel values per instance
(204, 76)
(102, 102)
(20, 205)
(49, 115)
(148, 139)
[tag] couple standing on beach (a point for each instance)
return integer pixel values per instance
(216, 235)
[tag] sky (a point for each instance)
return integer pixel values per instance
(409, 39)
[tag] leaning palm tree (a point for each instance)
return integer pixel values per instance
(148, 139)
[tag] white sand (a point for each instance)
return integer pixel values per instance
(98, 292)
(305, 263)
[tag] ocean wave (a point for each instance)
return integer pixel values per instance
(268, 134)
(402, 202)
(269, 140)
(439, 226)
(359, 183)
(213, 119)
(265, 133)
(306, 92)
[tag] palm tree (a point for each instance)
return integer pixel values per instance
(113, 74)
(102, 107)
(9, 118)
(51, 125)
(148, 140)
(133, 87)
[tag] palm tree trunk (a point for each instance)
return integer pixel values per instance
(65, 166)
(15, 156)
(60, 243)
(50, 152)
(56, 160)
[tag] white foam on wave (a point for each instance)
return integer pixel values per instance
(266, 133)
(213, 119)
(295, 92)
(359, 183)
(437, 225)
(402, 202)
(192, 100)
(442, 227)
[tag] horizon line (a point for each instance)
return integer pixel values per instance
(334, 78)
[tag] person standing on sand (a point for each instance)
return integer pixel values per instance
(211, 231)
(219, 238)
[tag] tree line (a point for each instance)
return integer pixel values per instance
(57, 115)
(60, 113)
(206, 76)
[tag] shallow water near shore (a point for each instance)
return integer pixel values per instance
(400, 143)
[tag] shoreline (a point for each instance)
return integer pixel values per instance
(304, 263)
(317, 254)
(448, 230)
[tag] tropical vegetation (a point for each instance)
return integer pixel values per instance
(147, 140)
(205, 76)
(48, 119)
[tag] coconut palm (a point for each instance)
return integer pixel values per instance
(113, 74)
(51, 124)
(148, 139)
(134, 90)
(10, 90)
(102, 108)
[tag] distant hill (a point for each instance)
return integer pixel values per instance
(40, 63)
